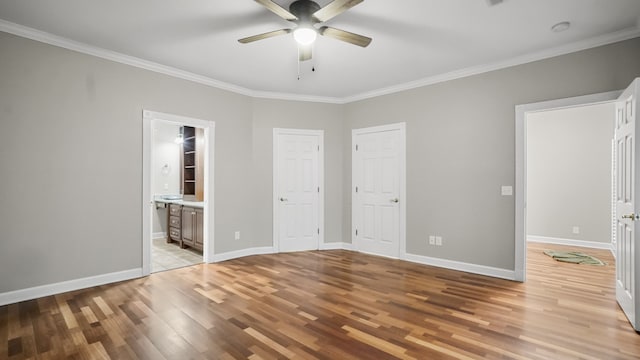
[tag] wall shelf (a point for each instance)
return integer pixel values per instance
(192, 167)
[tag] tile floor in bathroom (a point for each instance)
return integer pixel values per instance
(169, 256)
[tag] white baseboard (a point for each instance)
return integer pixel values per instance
(380, 255)
(569, 242)
(12, 297)
(336, 246)
(519, 275)
(462, 266)
(271, 250)
(159, 235)
(83, 283)
(613, 251)
(242, 253)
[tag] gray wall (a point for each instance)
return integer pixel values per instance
(270, 114)
(569, 173)
(71, 150)
(71, 154)
(461, 147)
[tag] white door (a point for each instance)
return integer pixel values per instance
(296, 191)
(376, 186)
(626, 132)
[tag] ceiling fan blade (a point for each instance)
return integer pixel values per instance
(345, 36)
(277, 9)
(264, 36)
(304, 52)
(334, 9)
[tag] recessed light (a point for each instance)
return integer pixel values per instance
(561, 26)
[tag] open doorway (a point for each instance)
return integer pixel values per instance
(527, 112)
(569, 176)
(178, 182)
(570, 194)
(177, 165)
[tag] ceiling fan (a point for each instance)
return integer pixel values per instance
(306, 14)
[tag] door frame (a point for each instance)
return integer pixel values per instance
(521, 166)
(276, 174)
(402, 168)
(149, 118)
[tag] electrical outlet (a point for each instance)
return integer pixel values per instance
(237, 235)
(438, 240)
(432, 240)
(576, 230)
(166, 186)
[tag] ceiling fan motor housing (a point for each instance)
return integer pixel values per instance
(304, 9)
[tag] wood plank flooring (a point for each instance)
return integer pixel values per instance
(330, 305)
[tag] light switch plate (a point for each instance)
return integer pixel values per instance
(507, 190)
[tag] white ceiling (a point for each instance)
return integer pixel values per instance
(414, 41)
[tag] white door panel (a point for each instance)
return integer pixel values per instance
(296, 191)
(626, 132)
(388, 221)
(376, 178)
(368, 221)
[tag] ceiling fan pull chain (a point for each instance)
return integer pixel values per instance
(313, 60)
(298, 64)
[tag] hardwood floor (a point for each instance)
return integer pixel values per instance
(330, 305)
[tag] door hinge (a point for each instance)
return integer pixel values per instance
(356, 189)
(356, 232)
(318, 231)
(318, 147)
(356, 147)
(318, 188)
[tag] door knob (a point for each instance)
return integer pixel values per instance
(394, 200)
(631, 216)
(284, 199)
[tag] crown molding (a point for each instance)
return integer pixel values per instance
(59, 41)
(48, 38)
(296, 97)
(606, 39)
(69, 44)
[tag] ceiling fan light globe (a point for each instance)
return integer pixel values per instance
(305, 35)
